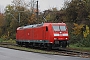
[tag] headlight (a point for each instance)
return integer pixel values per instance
(66, 38)
(55, 38)
(60, 32)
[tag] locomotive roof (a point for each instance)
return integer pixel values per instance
(30, 26)
(38, 25)
(46, 24)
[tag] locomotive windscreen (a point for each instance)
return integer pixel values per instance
(59, 28)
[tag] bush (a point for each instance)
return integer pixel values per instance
(4, 37)
(79, 37)
(86, 41)
(79, 41)
(1, 40)
(74, 38)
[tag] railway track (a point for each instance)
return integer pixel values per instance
(75, 53)
(61, 51)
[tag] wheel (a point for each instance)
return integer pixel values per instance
(26, 44)
(64, 44)
(49, 47)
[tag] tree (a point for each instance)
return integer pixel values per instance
(2, 24)
(76, 11)
(2, 21)
(16, 15)
(18, 3)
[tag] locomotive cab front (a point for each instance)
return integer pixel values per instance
(60, 34)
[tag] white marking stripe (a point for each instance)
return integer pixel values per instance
(65, 34)
(60, 34)
(56, 34)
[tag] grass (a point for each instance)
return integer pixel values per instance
(7, 41)
(85, 49)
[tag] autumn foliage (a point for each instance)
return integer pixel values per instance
(77, 30)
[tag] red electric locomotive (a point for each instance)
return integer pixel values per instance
(45, 34)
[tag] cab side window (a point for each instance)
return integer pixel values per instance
(46, 28)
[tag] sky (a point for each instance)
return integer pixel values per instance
(43, 4)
